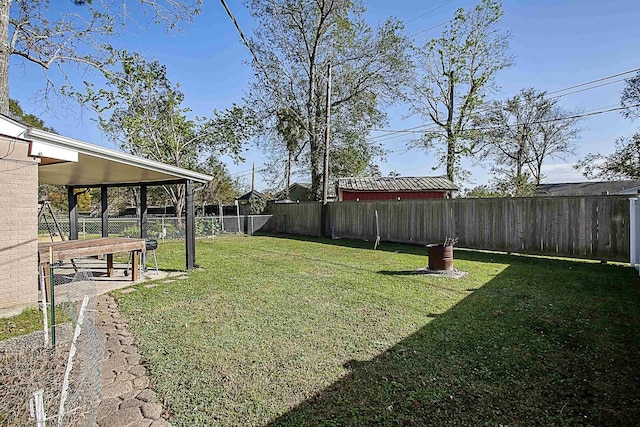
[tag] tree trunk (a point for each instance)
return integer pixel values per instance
(180, 201)
(451, 156)
(316, 162)
(5, 54)
(286, 189)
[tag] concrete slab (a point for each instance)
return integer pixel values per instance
(91, 278)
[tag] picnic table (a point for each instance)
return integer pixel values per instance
(70, 249)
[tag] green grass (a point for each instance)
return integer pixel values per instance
(310, 332)
(30, 320)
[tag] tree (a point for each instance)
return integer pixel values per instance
(624, 162)
(630, 98)
(142, 112)
(484, 192)
(17, 113)
(80, 39)
(222, 188)
(455, 74)
(289, 129)
(293, 43)
(521, 133)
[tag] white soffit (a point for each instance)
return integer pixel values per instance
(97, 165)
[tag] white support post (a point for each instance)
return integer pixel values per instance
(221, 216)
(238, 215)
(36, 405)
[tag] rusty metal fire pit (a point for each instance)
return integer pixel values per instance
(440, 257)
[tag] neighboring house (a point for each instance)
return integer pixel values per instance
(244, 201)
(301, 192)
(394, 188)
(298, 192)
(589, 188)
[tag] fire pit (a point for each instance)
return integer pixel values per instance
(440, 257)
(441, 260)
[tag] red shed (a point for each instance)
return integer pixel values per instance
(394, 188)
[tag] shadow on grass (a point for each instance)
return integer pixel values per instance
(543, 343)
(466, 254)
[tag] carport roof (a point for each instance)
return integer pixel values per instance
(71, 162)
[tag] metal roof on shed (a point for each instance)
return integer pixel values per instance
(401, 183)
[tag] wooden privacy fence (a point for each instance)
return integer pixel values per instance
(595, 227)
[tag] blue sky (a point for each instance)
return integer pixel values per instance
(556, 44)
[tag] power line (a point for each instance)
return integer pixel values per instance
(559, 119)
(257, 60)
(594, 81)
(429, 11)
(396, 133)
(430, 28)
(588, 88)
(590, 113)
(248, 171)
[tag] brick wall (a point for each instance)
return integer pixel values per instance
(18, 227)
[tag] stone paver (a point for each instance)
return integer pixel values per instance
(126, 400)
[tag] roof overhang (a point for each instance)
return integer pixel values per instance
(71, 162)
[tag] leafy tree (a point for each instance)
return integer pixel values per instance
(484, 192)
(289, 129)
(624, 162)
(78, 39)
(521, 133)
(17, 113)
(455, 74)
(293, 43)
(222, 188)
(631, 97)
(257, 205)
(142, 112)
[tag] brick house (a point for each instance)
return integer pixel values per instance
(18, 226)
(30, 156)
(394, 188)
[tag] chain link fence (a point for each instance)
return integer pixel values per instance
(161, 228)
(62, 364)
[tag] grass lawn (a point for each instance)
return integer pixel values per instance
(311, 332)
(30, 320)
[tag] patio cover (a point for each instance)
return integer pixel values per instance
(78, 164)
(71, 162)
(67, 161)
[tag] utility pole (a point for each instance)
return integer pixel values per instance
(325, 177)
(253, 176)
